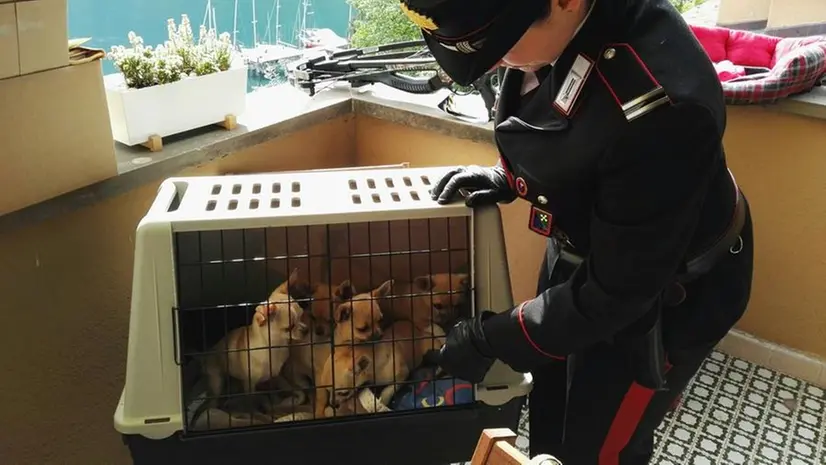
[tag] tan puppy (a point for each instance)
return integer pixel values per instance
(359, 318)
(324, 299)
(242, 353)
(388, 361)
(307, 358)
(449, 293)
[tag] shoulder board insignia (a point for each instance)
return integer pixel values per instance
(632, 85)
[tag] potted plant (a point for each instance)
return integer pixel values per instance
(175, 87)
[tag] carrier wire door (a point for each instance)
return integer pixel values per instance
(283, 305)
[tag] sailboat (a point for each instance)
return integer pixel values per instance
(318, 38)
(262, 54)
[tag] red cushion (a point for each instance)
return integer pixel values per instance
(749, 49)
(742, 48)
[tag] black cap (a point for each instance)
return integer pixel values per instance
(468, 37)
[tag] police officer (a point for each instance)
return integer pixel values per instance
(610, 124)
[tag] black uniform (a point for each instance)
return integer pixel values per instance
(649, 257)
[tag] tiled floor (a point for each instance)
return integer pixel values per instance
(735, 412)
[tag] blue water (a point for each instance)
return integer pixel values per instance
(108, 22)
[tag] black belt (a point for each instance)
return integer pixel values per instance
(728, 242)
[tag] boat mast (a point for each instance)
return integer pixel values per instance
(235, 25)
(206, 14)
(303, 28)
(254, 26)
(278, 21)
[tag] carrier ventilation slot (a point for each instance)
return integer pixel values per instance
(255, 196)
(377, 190)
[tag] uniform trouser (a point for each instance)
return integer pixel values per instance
(589, 411)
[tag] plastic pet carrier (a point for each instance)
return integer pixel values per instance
(297, 317)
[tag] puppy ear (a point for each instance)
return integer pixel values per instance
(423, 283)
(344, 291)
(293, 277)
(362, 363)
(284, 288)
(342, 313)
(384, 289)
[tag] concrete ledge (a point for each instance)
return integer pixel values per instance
(282, 110)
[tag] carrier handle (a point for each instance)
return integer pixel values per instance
(167, 193)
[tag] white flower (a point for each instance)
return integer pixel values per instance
(177, 58)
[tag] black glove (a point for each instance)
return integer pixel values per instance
(466, 353)
(489, 186)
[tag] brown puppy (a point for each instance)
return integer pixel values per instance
(449, 293)
(388, 361)
(325, 298)
(358, 319)
(307, 358)
(242, 353)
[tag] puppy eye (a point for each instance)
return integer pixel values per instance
(363, 328)
(438, 306)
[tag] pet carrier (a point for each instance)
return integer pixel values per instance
(240, 281)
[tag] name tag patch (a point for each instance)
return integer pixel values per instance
(572, 85)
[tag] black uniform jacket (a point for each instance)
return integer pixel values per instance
(628, 167)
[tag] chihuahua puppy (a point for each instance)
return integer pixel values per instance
(325, 299)
(423, 309)
(386, 362)
(359, 318)
(307, 359)
(242, 353)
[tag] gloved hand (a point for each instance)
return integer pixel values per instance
(489, 185)
(466, 353)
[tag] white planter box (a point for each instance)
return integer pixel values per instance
(139, 114)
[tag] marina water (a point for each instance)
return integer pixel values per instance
(108, 22)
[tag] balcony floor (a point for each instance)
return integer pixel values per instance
(735, 412)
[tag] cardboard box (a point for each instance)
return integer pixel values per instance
(9, 57)
(42, 35)
(56, 134)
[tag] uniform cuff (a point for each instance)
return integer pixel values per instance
(511, 341)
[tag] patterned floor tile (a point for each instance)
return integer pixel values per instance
(737, 413)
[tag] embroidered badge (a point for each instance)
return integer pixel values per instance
(572, 85)
(521, 187)
(541, 222)
(419, 19)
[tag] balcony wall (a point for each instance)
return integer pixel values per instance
(785, 13)
(743, 12)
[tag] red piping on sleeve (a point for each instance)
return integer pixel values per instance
(528, 336)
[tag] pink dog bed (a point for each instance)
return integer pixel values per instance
(756, 68)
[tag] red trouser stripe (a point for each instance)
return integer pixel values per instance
(628, 417)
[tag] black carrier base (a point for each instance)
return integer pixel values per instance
(435, 437)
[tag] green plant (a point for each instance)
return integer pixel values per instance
(684, 5)
(381, 22)
(177, 58)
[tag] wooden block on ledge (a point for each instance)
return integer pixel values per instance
(154, 144)
(229, 123)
